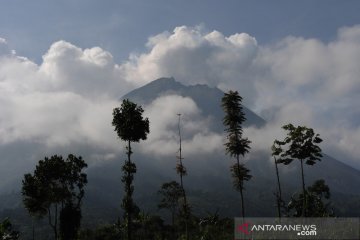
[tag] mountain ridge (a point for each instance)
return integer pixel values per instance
(208, 183)
(208, 99)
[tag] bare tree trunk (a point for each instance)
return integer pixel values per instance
(303, 212)
(129, 208)
(53, 226)
(185, 206)
(241, 187)
(279, 197)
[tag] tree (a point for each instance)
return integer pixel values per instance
(301, 143)
(7, 232)
(181, 170)
(55, 184)
(236, 145)
(212, 227)
(318, 196)
(70, 217)
(276, 150)
(130, 126)
(171, 192)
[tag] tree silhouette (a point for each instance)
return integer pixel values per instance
(300, 143)
(181, 170)
(55, 184)
(318, 196)
(236, 145)
(7, 231)
(276, 151)
(171, 192)
(130, 126)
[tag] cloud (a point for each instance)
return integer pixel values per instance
(191, 56)
(91, 72)
(313, 83)
(164, 137)
(298, 80)
(66, 101)
(63, 103)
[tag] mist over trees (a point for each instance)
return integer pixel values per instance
(57, 187)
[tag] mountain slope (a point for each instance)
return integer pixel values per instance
(341, 178)
(206, 98)
(208, 183)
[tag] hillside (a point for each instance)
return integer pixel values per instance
(208, 182)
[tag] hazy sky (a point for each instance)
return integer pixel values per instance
(123, 26)
(64, 65)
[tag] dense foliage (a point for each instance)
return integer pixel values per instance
(57, 186)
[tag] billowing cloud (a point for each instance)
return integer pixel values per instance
(164, 137)
(67, 100)
(63, 103)
(309, 82)
(297, 80)
(192, 56)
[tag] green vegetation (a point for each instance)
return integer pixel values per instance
(56, 188)
(130, 126)
(236, 145)
(7, 232)
(171, 193)
(318, 204)
(301, 144)
(181, 170)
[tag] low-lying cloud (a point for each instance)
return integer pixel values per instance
(67, 100)
(164, 136)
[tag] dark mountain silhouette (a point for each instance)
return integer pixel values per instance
(206, 98)
(208, 184)
(341, 178)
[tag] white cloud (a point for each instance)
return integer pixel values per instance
(312, 83)
(164, 139)
(303, 81)
(192, 56)
(91, 72)
(67, 100)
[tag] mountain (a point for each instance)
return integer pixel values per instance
(342, 179)
(208, 183)
(206, 98)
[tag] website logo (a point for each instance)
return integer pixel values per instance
(244, 228)
(297, 228)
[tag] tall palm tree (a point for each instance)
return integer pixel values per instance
(236, 145)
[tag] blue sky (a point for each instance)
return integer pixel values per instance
(64, 65)
(123, 26)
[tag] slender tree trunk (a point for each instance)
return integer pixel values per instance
(129, 208)
(241, 187)
(242, 203)
(53, 225)
(173, 223)
(279, 197)
(303, 213)
(185, 206)
(33, 229)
